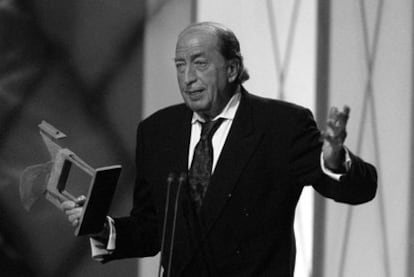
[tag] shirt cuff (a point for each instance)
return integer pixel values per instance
(98, 249)
(336, 176)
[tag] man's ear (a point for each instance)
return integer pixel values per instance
(233, 68)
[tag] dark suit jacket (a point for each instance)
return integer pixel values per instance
(245, 227)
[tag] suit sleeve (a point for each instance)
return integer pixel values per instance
(357, 186)
(137, 234)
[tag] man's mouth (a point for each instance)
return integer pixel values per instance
(194, 92)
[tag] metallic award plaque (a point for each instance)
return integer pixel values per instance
(50, 180)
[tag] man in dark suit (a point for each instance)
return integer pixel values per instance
(236, 208)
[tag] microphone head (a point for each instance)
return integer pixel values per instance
(182, 178)
(171, 177)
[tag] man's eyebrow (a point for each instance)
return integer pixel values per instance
(197, 54)
(192, 56)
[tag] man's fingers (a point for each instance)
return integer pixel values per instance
(334, 140)
(346, 110)
(74, 216)
(81, 200)
(342, 117)
(335, 133)
(67, 205)
(74, 211)
(74, 222)
(333, 111)
(337, 121)
(70, 204)
(334, 129)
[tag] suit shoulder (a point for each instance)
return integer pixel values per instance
(275, 107)
(167, 114)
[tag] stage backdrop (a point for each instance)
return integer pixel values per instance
(370, 69)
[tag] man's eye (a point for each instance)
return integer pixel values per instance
(201, 63)
(180, 67)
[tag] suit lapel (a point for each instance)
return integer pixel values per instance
(239, 145)
(177, 140)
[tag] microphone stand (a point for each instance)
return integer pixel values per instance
(181, 180)
(170, 179)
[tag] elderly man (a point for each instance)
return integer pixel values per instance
(245, 159)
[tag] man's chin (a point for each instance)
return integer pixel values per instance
(198, 108)
(196, 105)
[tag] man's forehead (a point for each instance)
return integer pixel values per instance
(196, 40)
(191, 51)
(195, 47)
(198, 30)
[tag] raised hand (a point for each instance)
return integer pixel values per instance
(334, 137)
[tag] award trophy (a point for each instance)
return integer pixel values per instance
(50, 180)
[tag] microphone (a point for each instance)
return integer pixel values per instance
(170, 180)
(181, 180)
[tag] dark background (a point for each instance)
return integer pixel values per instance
(77, 65)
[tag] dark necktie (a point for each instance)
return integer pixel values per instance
(200, 170)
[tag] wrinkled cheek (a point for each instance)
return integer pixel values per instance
(180, 84)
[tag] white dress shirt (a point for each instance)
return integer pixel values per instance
(219, 137)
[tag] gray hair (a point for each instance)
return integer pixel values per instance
(229, 45)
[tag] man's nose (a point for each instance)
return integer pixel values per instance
(189, 76)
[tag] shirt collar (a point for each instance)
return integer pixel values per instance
(228, 112)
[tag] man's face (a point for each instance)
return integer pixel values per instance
(202, 72)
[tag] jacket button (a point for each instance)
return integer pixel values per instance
(229, 195)
(238, 252)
